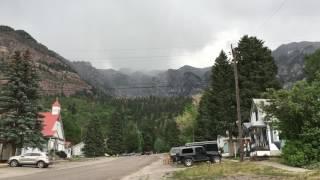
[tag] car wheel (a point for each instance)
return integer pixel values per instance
(14, 163)
(188, 162)
(41, 164)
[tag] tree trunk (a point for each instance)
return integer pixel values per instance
(1, 154)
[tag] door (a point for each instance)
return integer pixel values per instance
(34, 157)
(26, 158)
(201, 154)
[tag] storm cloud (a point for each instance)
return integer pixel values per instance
(159, 34)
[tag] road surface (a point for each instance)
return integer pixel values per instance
(102, 169)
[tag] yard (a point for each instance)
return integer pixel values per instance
(245, 170)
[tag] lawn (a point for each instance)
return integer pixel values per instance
(236, 170)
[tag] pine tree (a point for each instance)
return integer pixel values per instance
(20, 123)
(222, 96)
(115, 138)
(202, 129)
(131, 137)
(94, 139)
(257, 71)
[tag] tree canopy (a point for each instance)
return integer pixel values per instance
(20, 123)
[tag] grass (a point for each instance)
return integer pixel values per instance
(247, 170)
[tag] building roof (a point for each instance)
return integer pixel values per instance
(261, 102)
(49, 120)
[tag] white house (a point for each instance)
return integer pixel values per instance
(264, 138)
(52, 130)
(77, 149)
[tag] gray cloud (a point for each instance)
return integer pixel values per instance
(150, 34)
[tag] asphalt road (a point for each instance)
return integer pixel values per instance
(103, 169)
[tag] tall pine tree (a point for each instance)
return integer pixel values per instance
(94, 139)
(20, 124)
(115, 138)
(257, 71)
(222, 96)
(217, 106)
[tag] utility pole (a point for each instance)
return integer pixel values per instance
(235, 61)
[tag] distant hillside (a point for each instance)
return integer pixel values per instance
(55, 71)
(185, 81)
(290, 60)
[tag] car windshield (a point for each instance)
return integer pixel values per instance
(174, 150)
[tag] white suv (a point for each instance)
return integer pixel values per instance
(41, 160)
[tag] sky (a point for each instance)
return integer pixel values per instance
(159, 34)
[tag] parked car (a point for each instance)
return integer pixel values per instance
(211, 148)
(173, 153)
(41, 160)
(188, 155)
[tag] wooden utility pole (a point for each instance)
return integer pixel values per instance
(235, 61)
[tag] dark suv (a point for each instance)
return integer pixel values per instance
(190, 154)
(211, 147)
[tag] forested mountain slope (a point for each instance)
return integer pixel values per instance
(55, 72)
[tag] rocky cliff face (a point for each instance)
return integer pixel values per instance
(185, 81)
(55, 72)
(290, 60)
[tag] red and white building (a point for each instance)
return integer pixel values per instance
(52, 130)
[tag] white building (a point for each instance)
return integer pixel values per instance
(264, 138)
(77, 149)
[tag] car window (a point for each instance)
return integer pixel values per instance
(211, 147)
(199, 150)
(35, 154)
(27, 154)
(174, 150)
(188, 150)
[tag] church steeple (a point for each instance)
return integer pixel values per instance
(56, 107)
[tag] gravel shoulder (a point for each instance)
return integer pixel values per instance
(155, 171)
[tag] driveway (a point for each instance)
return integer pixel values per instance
(102, 169)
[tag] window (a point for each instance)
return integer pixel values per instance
(35, 154)
(188, 150)
(211, 147)
(27, 154)
(256, 113)
(199, 150)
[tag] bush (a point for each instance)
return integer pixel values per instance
(293, 153)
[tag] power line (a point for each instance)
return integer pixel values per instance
(133, 58)
(272, 15)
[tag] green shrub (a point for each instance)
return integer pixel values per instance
(293, 153)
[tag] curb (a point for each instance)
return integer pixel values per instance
(2, 165)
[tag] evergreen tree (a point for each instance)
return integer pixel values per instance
(115, 138)
(222, 97)
(172, 133)
(202, 130)
(94, 139)
(131, 137)
(217, 106)
(20, 124)
(312, 65)
(257, 71)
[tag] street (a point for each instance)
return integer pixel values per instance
(102, 169)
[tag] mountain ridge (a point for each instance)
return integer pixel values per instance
(56, 74)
